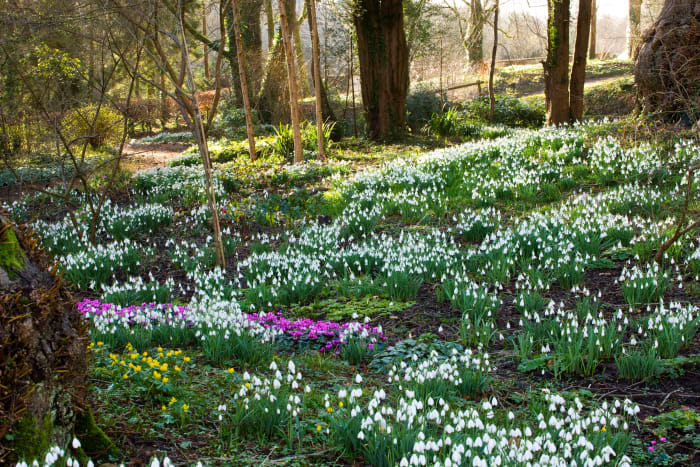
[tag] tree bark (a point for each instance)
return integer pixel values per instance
(556, 67)
(244, 81)
(594, 30)
(292, 78)
(492, 98)
(634, 34)
(667, 68)
(383, 54)
(578, 70)
(313, 28)
(43, 342)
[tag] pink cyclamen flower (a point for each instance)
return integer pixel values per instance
(651, 448)
(653, 443)
(663, 440)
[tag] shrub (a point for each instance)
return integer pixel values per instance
(98, 128)
(508, 111)
(421, 104)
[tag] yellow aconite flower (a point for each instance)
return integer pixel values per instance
(100, 343)
(160, 349)
(145, 354)
(187, 359)
(164, 367)
(340, 404)
(163, 407)
(230, 371)
(156, 375)
(126, 376)
(318, 427)
(247, 385)
(330, 409)
(165, 380)
(172, 401)
(133, 356)
(177, 368)
(185, 407)
(137, 368)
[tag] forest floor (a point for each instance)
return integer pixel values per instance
(283, 227)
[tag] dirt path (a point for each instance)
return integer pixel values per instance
(590, 83)
(147, 156)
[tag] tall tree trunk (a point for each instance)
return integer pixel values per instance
(292, 78)
(578, 70)
(383, 54)
(252, 48)
(594, 30)
(304, 86)
(667, 69)
(326, 108)
(313, 28)
(269, 23)
(244, 82)
(205, 46)
(475, 47)
(634, 33)
(492, 98)
(556, 67)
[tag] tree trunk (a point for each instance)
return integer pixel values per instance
(252, 48)
(205, 46)
(634, 34)
(492, 99)
(244, 81)
(594, 30)
(270, 23)
(578, 70)
(667, 68)
(292, 78)
(383, 54)
(304, 86)
(311, 7)
(43, 342)
(556, 67)
(274, 92)
(475, 47)
(326, 109)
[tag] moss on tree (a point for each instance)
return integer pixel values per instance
(30, 440)
(11, 254)
(94, 442)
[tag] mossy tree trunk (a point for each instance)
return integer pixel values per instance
(383, 54)
(43, 343)
(556, 67)
(475, 45)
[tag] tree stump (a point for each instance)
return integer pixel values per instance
(43, 342)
